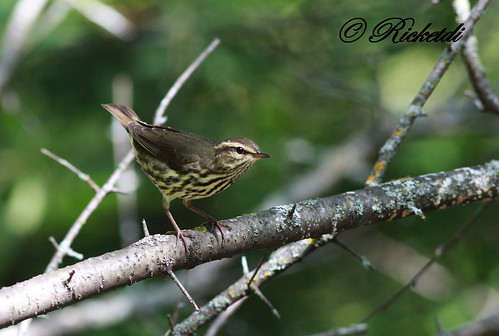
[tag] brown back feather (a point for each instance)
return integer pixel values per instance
(174, 147)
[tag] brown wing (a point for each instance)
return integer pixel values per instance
(170, 145)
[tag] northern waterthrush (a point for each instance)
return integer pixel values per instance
(186, 165)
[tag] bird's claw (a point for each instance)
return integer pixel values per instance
(214, 223)
(180, 235)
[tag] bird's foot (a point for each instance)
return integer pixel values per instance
(180, 235)
(214, 223)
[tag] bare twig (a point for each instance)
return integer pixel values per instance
(476, 72)
(68, 280)
(65, 244)
(437, 283)
(224, 316)
(144, 227)
(182, 288)
(70, 252)
(244, 264)
(365, 262)
(104, 16)
(170, 321)
(356, 329)
(159, 117)
(439, 253)
(221, 319)
(260, 263)
(79, 173)
(255, 288)
(269, 304)
(279, 261)
(415, 109)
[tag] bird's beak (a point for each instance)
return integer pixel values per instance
(261, 155)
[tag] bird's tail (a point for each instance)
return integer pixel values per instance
(123, 113)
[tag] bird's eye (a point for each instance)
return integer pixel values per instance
(240, 150)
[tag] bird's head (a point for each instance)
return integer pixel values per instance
(237, 154)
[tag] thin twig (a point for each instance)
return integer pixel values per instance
(182, 288)
(356, 329)
(67, 164)
(478, 78)
(104, 16)
(255, 288)
(159, 117)
(65, 244)
(170, 321)
(70, 252)
(415, 109)
(224, 316)
(279, 261)
(365, 262)
(244, 264)
(262, 297)
(221, 319)
(144, 227)
(489, 100)
(260, 263)
(179, 303)
(439, 253)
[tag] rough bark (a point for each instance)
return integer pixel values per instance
(153, 255)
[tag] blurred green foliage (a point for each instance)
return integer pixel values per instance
(280, 74)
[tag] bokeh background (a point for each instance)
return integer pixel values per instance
(282, 77)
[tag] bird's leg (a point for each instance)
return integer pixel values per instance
(177, 232)
(211, 220)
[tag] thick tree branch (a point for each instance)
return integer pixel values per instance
(286, 257)
(154, 255)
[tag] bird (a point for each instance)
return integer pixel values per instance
(185, 165)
